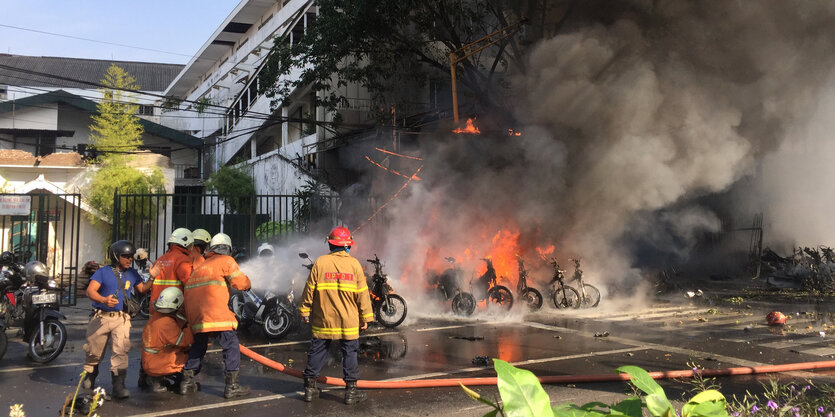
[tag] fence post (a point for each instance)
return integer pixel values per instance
(252, 214)
(115, 226)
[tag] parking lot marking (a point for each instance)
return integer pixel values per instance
(226, 403)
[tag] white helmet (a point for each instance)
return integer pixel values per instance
(266, 250)
(201, 236)
(181, 236)
(169, 301)
(221, 239)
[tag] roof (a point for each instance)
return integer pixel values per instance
(61, 96)
(150, 76)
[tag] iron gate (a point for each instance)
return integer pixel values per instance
(45, 227)
(148, 219)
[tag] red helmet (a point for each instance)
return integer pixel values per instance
(340, 236)
(775, 317)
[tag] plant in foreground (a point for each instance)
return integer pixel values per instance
(522, 395)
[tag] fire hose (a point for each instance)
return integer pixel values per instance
(556, 379)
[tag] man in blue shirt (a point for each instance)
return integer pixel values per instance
(108, 288)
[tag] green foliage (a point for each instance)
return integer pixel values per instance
(522, 395)
(309, 206)
(393, 47)
(127, 180)
(234, 186)
(268, 230)
(202, 104)
(116, 131)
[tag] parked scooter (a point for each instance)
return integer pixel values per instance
(33, 306)
(142, 265)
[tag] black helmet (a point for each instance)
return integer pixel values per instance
(119, 248)
(35, 269)
(6, 258)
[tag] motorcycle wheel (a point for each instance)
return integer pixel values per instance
(145, 306)
(592, 298)
(56, 337)
(532, 298)
(463, 304)
(4, 341)
(277, 324)
(501, 296)
(568, 299)
(391, 311)
(236, 304)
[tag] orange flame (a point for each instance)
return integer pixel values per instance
(545, 251)
(511, 132)
(469, 128)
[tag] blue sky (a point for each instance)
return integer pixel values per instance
(178, 26)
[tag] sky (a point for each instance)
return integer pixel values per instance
(169, 31)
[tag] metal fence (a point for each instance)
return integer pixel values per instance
(45, 227)
(148, 219)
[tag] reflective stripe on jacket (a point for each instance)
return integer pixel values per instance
(336, 297)
(207, 294)
(171, 269)
(165, 343)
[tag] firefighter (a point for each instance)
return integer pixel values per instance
(208, 314)
(174, 267)
(165, 341)
(107, 290)
(201, 239)
(337, 305)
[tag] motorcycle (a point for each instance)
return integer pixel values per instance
(531, 296)
(32, 305)
(488, 288)
(447, 286)
(276, 316)
(389, 308)
(4, 341)
(144, 299)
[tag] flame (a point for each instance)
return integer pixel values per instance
(545, 251)
(469, 128)
(511, 132)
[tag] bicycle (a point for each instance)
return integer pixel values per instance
(563, 295)
(529, 295)
(589, 294)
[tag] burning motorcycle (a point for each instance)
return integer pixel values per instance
(589, 294)
(31, 300)
(447, 285)
(488, 288)
(531, 296)
(389, 308)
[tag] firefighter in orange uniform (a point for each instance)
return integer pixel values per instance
(165, 341)
(208, 314)
(337, 305)
(201, 240)
(173, 267)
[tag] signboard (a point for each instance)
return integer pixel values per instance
(15, 205)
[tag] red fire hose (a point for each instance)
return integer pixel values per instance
(558, 379)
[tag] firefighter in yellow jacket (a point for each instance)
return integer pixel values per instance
(207, 311)
(337, 305)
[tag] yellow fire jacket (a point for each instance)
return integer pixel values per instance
(336, 297)
(207, 294)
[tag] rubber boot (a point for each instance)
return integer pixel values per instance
(187, 385)
(311, 392)
(142, 383)
(233, 389)
(352, 394)
(89, 381)
(119, 390)
(156, 384)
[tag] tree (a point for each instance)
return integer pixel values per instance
(116, 136)
(116, 132)
(234, 186)
(393, 47)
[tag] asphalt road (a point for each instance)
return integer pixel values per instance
(665, 336)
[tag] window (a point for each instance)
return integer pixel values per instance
(4, 92)
(146, 110)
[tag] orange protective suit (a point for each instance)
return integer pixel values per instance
(171, 269)
(207, 294)
(165, 343)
